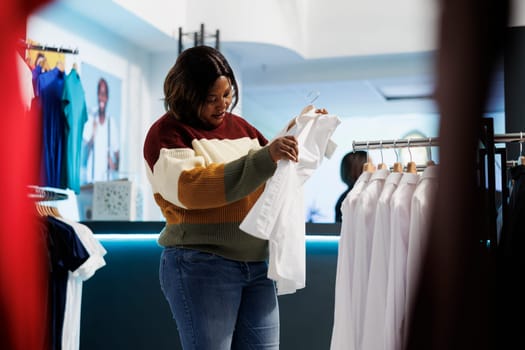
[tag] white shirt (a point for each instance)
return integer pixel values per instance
(400, 204)
(71, 325)
(364, 218)
(342, 331)
(374, 322)
(278, 215)
(420, 216)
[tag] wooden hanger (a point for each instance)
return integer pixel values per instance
(411, 165)
(368, 166)
(411, 168)
(430, 162)
(398, 167)
(47, 210)
(381, 165)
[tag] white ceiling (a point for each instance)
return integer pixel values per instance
(274, 75)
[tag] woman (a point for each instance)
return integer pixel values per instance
(207, 167)
(351, 167)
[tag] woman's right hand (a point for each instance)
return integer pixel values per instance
(284, 147)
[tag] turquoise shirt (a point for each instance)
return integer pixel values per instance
(76, 116)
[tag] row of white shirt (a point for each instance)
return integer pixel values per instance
(383, 236)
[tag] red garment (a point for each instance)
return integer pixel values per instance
(23, 274)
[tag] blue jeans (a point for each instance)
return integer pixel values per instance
(220, 304)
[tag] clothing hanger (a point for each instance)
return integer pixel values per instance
(381, 165)
(368, 166)
(312, 96)
(411, 165)
(60, 65)
(430, 162)
(397, 168)
(522, 157)
(47, 210)
(41, 195)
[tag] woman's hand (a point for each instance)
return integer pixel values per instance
(285, 147)
(306, 110)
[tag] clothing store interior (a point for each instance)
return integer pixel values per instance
(430, 90)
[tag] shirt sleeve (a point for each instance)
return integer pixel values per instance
(183, 178)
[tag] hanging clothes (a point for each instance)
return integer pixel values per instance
(374, 330)
(343, 329)
(383, 229)
(421, 210)
(511, 260)
(66, 253)
(363, 233)
(400, 205)
(50, 91)
(278, 214)
(76, 278)
(75, 113)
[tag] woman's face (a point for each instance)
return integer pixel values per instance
(219, 98)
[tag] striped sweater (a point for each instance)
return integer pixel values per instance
(205, 181)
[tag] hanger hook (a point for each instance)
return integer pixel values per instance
(409, 151)
(367, 151)
(312, 96)
(521, 143)
(430, 147)
(381, 150)
(395, 151)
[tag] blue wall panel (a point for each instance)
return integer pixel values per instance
(124, 308)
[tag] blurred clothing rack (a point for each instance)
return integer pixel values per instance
(41, 194)
(509, 137)
(427, 142)
(398, 143)
(39, 47)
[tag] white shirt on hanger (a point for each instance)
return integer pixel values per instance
(400, 205)
(71, 326)
(374, 321)
(364, 218)
(342, 331)
(420, 216)
(278, 215)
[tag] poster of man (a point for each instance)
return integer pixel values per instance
(101, 149)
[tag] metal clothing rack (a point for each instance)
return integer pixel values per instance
(396, 143)
(43, 194)
(486, 174)
(428, 142)
(48, 48)
(198, 37)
